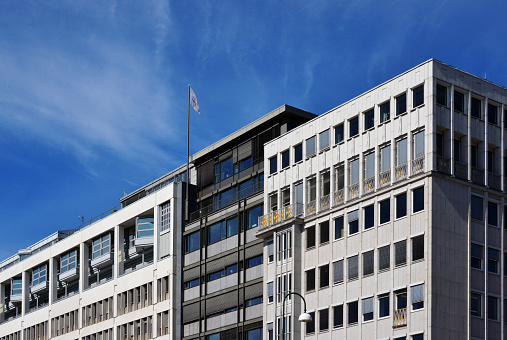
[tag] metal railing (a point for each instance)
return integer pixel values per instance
(443, 165)
(477, 176)
(368, 185)
(494, 181)
(339, 197)
(310, 208)
(384, 178)
(353, 191)
(400, 318)
(227, 201)
(400, 172)
(324, 202)
(280, 215)
(461, 170)
(418, 166)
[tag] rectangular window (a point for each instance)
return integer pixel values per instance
(285, 159)
(401, 205)
(418, 144)
(353, 127)
(338, 228)
(401, 299)
(273, 201)
(338, 271)
(101, 246)
(253, 215)
(369, 219)
(310, 237)
(324, 140)
(369, 165)
(311, 189)
(324, 276)
(401, 104)
(340, 177)
(272, 165)
(369, 119)
(476, 208)
(476, 108)
(353, 312)
(338, 316)
(385, 211)
(459, 102)
(310, 280)
(418, 96)
(354, 171)
(477, 254)
(310, 146)
(493, 261)
(68, 261)
(325, 183)
(418, 199)
(491, 161)
(324, 232)
(310, 326)
(383, 306)
(493, 114)
(400, 253)
(493, 313)
(165, 216)
(298, 153)
(385, 158)
(493, 214)
(418, 248)
(367, 309)
(476, 305)
(474, 156)
(39, 275)
(271, 250)
(339, 134)
(353, 267)
(417, 294)
(192, 242)
(457, 150)
(440, 144)
(286, 196)
(368, 261)
(323, 320)
(442, 95)
(385, 111)
(254, 261)
(401, 151)
(353, 218)
(384, 258)
(214, 233)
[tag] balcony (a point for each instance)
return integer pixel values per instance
(324, 202)
(279, 216)
(310, 208)
(368, 185)
(418, 166)
(477, 176)
(353, 191)
(339, 197)
(461, 170)
(443, 165)
(400, 318)
(384, 178)
(400, 172)
(494, 181)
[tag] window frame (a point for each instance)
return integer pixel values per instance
(369, 119)
(384, 212)
(285, 157)
(417, 96)
(355, 121)
(445, 93)
(337, 227)
(337, 131)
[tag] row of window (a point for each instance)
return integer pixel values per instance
(224, 229)
(368, 263)
(233, 193)
(12, 336)
(139, 329)
(106, 334)
(65, 323)
(477, 211)
(368, 217)
(477, 107)
(477, 300)
(252, 334)
(477, 257)
(97, 312)
(228, 270)
(367, 309)
(135, 298)
(36, 332)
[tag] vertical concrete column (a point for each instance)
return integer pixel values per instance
(53, 280)
(156, 233)
(84, 253)
(25, 303)
(469, 136)
(452, 156)
(3, 307)
(346, 175)
(502, 152)
(118, 251)
(410, 149)
(485, 153)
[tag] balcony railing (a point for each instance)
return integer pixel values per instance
(353, 191)
(384, 178)
(400, 318)
(368, 185)
(494, 181)
(325, 202)
(477, 176)
(339, 197)
(461, 170)
(443, 165)
(418, 166)
(280, 215)
(227, 201)
(310, 208)
(400, 172)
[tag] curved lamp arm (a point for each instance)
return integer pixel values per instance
(283, 308)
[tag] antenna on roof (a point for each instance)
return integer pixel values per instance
(485, 77)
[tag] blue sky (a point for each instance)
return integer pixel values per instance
(93, 94)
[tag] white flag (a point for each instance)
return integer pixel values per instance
(193, 101)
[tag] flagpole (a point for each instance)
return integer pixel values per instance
(188, 153)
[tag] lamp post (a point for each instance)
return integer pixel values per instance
(305, 317)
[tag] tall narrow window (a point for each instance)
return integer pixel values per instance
(324, 276)
(418, 248)
(338, 271)
(285, 159)
(384, 258)
(477, 254)
(474, 156)
(385, 158)
(369, 119)
(353, 219)
(493, 308)
(325, 179)
(491, 160)
(440, 144)
(368, 262)
(323, 320)
(400, 253)
(339, 134)
(298, 153)
(324, 232)
(401, 151)
(354, 127)
(165, 216)
(353, 312)
(417, 294)
(493, 114)
(310, 237)
(383, 309)
(338, 316)
(493, 261)
(418, 199)
(310, 280)
(310, 326)
(476, 108)
(418, 96)
(401, 205)
(312, 189)
(441, 95)
(476, 208)
(354, 171)
(459, 102)
(401, 104)
(368, 309)
(310, 146)
(476, 305)
(353, 267)
(298, 197)
(369, 165)
(273, 201)
(285, 196)
(369, 219)
(385, 211)
(272, 165)
(418, 144)
(457, 150)
(324, 140)
(338, 228)
(493, 214)
(385, 111)
(340, 177)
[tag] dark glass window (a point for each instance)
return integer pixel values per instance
(383, 309)
(385, 211)
(245, 163)
(272, 165)
(254, 261)
(441, 95)
(418, 96)
(493, 114)
(192, 283)
(298, 153)
(354, 127)
(310, 326)
(418, 248)
(226, 168)
(418, 197)
(192, 242)
(324, 232)
(493, 214)
(353, 312)
(338, 134)
(253, 216)
(493, 308)
(476, 305)
(384, 258)
(368, 262)
(401, 104)
(214, 232)
(310, 280)
(440, 144)
(400, 253)
(369, 119)
(477, 254)
(385, 112)
(493, 261)
(215, 276)
(310, 237)
(285, 159)
(324, 276)
(476, 208)
(338, 316)
(353, 218)
(401, 205)
(476, 109)
(338, 228)
(459, 102)
(323, 320)
(369, 219)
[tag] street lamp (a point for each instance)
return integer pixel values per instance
(305, 317)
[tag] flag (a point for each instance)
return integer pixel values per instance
(193, 101)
